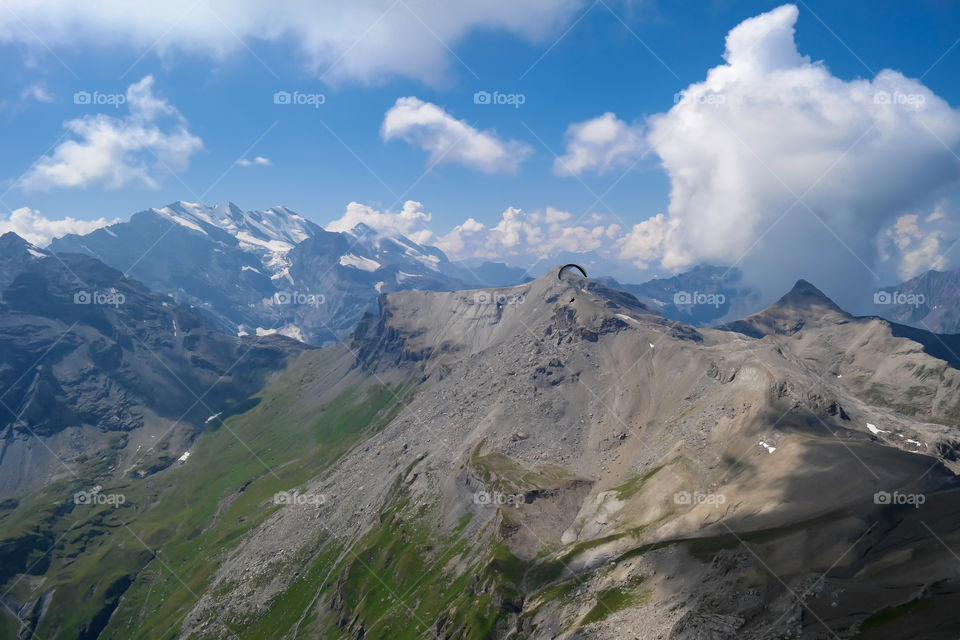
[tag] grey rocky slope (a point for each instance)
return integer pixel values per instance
(571, 465)
(269, 271)
(94, 365)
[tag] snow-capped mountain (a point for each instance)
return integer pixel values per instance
(267, 271)
(269, 234)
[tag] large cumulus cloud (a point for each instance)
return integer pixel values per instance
(779, 165)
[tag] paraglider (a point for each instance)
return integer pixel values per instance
(567, 266)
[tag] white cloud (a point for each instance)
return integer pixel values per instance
(770, 125)
(150, 141)
(521, 238)
(600, 144)
(259, 161)
(36, 91)
(410, 221)
(446, 139)
(33, 227)
(644, 244)
(914, 243)
(525, 237)
(363, 40)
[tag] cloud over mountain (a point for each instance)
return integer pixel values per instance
(772, 153)
(37, 229)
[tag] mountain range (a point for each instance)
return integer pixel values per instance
(272, 271)
(550, 460)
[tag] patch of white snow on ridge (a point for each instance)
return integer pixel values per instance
(183, 222)
(359, 262)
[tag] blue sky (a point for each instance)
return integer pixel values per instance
(571, 63)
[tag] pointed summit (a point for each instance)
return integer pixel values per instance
(13, 245)
(804, 295)
(11, 241)
(803, 305)
(15, 255)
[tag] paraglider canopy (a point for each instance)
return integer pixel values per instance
(569, 266)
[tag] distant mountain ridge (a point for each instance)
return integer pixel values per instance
(272, 270)
(928, 301)
(701, 297)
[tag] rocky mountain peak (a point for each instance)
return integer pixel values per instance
(804, 305)
(804, 295)
(15, 254)
(11, 240)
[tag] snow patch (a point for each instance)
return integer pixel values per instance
(180, 220)
(359, 262)
(292, 331)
